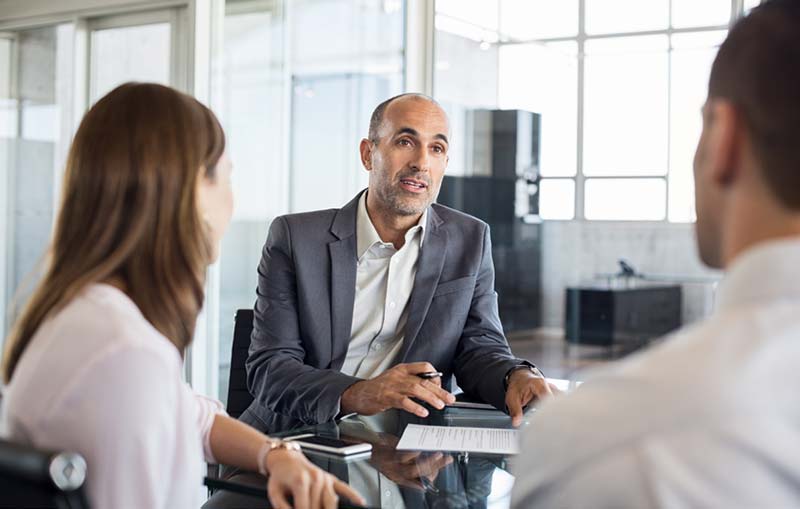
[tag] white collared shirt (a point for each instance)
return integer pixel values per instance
(708, 418)
(384, 280)
(98, 379)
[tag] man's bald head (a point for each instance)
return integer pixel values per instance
(376, 120)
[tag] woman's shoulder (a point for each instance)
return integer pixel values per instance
(103, 318)
(100, 323)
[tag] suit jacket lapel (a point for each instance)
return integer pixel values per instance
(343, 280)
(429, 269)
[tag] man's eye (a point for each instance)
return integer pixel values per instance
(438, 149)
(404, 142)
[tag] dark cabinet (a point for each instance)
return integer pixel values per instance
(503, 191)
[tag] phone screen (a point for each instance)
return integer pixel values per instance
(328, 442)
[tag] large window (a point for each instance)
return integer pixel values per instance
(619, 85)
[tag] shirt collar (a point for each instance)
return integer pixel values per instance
(763, 273)
(367, 236)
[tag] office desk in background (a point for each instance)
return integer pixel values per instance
(390, 478)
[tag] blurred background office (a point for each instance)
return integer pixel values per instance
(574, 125)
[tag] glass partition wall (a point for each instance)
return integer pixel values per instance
(49, 74)
(35, 94)
(294, 92)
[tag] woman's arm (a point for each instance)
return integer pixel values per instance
(290, 473)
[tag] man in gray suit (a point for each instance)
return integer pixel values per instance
(355, 305)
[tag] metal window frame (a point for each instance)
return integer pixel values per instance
(6, 196)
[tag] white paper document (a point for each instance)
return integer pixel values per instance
(456, 438)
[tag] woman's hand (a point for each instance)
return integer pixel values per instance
(290, 473)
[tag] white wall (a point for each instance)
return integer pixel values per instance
(574, 252)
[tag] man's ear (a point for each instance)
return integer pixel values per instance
(366, 153)
(725, 135)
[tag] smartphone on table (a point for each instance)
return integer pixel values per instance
(330, 445)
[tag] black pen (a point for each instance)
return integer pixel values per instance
(430, 374)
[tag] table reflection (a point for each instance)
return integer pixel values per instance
(394, 479)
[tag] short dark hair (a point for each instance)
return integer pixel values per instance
(376, 119)
(758, 70)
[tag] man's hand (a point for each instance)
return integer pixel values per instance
(394, 388)
(523, 387)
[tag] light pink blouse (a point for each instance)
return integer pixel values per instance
(99, 380)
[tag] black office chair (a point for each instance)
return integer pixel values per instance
(33, 478)
(239, 397)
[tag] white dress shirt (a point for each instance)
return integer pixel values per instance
(100, 380)
(708, 418)
(384, 280)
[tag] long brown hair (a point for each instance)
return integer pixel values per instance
(129, 212)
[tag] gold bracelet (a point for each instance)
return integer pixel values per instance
(269, 446)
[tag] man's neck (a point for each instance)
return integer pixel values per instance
(752, 223)
(390, 227)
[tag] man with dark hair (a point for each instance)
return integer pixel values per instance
(359, 309)
(710, 417)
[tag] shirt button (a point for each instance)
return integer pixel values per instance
(392, 305)
(377, 346)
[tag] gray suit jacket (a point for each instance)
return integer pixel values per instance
(304, 311)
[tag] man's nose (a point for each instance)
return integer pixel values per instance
(421, 161)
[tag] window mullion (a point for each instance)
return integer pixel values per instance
(669, 115)
(579, 177)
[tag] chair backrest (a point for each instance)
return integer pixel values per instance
(33, 478)
(239, 397)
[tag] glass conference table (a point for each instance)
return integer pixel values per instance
(388, 478)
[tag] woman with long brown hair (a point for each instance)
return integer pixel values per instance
(94, 362)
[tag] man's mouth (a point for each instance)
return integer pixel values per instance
(413, 185)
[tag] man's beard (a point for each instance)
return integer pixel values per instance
(394, 199)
